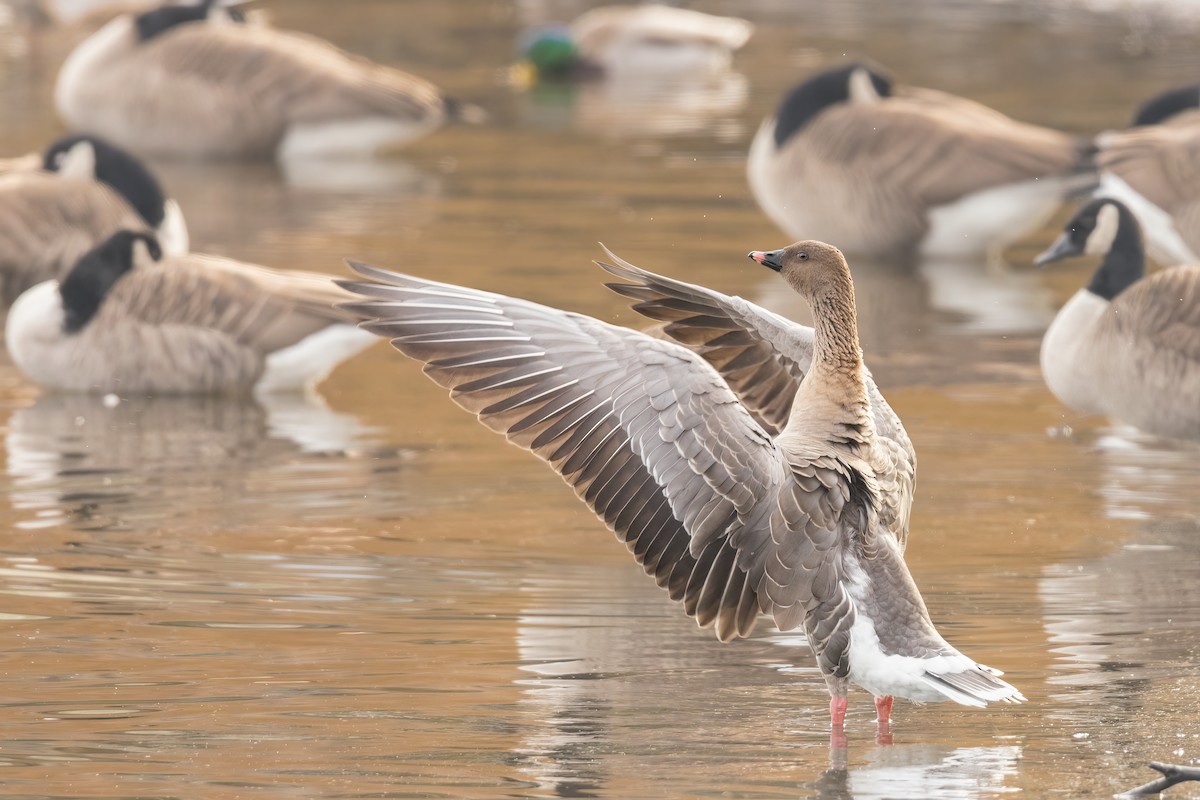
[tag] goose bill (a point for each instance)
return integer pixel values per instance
(1062, 248)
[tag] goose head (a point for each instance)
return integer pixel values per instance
(855, 82)
(88, 283)
(1107, 228)
(88, 157)
(1166, 105)
(162, 19)
(815, 270)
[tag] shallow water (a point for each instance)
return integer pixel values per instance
(372, 596)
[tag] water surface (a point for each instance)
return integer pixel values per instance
(369, 595)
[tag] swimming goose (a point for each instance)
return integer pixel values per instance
(198, 81)
(805, 525)
(648, 39)
(1154, 169)
(79, 192)
(126, 319)
(1126, 345)
(883, 169)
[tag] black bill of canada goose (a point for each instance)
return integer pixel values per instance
(885, 170)
(1154, 168)
(76, 194)
(638, 40)
(731, 518)
(128, 319)
(199, 81)
(1125, 345)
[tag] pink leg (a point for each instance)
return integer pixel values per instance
(883, 712)
(837, 712)
(883, 709)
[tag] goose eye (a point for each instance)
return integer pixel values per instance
(803, 256)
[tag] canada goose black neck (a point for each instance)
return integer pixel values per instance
(89, 281)
(1125, 262)
(819, 92)
(1167, 105)
(117, 168)
(160, 20)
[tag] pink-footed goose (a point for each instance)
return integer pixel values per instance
(806, 525)
(1127, 345)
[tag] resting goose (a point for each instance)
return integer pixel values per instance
(884, 170)
(1154, 169)
(198, 81)
(806, 524)
(1126, 345)
(128, 320)
(642, 40)
(80, 191)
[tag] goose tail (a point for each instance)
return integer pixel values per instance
(974, 686)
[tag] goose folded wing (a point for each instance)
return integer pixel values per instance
(301, 77)
(937, 151)
(1163, 310)
(1161, 162)
(260, 308)
(646, 433)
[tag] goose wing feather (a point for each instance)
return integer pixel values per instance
(651, 439)
(1164, 311)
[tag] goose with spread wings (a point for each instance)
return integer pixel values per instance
(791, 500)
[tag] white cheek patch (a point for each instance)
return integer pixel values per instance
(79, 162)
(1100, 240)
(862, 90)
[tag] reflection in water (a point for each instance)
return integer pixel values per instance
(921, 771)
(629, 106)
(102, 462)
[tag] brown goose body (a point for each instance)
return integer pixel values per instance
(189, 324)
(885, 170)
(1155, 170)
(729, 519)
(219, 89)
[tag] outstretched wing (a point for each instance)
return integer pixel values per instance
(649, 436)
(763, 357)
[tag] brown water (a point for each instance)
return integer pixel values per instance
(378, 598)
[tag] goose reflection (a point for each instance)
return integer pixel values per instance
(918, 772)
(139, 463)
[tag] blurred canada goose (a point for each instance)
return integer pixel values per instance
(1154, 168)
(1126, 346)
(77, 194)
(197, 81)
(644, 39)
(805, 525)
(882, 170)
(128, 320)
